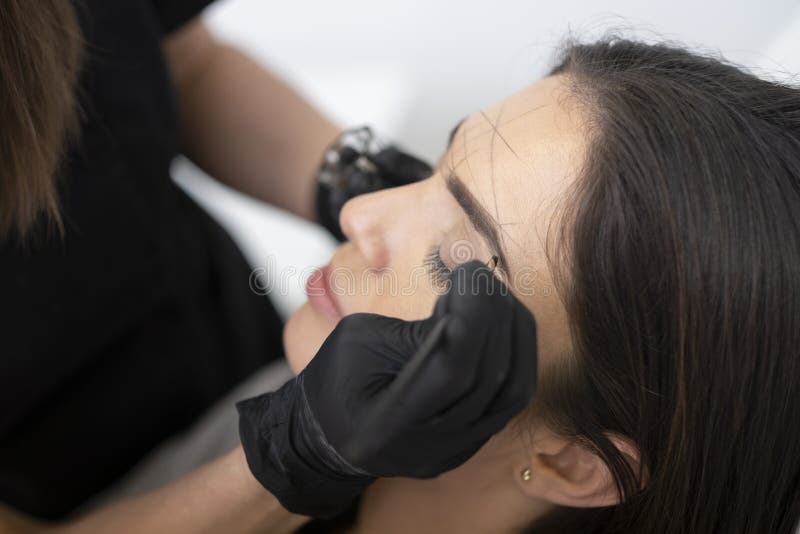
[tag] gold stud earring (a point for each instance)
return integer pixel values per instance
(526, 474)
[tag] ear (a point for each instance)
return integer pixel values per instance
(565, 472)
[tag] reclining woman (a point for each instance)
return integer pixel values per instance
(642, 201)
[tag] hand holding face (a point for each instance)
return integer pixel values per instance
(386, 397)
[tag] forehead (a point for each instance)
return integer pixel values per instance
(518, 157)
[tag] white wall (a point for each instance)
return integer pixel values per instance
(781, 57)
(414, 68)
(417, 66)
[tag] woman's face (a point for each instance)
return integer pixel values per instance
(494, 193)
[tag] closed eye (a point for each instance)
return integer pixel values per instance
(438, 271)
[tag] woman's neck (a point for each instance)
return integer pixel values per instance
(466, 500)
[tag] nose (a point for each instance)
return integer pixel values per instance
(366, 220)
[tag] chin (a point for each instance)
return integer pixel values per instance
(303, 335)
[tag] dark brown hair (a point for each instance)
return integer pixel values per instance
(40, 51)
(679, 255)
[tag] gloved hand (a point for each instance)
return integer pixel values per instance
(358, 162)
(386, 397)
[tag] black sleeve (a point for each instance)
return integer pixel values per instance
(174, 13)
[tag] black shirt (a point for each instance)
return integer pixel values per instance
(122, 332)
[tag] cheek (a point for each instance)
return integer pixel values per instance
(403, 302)
(411, 298)
(402, 290)
(408, 296)
(303, 335)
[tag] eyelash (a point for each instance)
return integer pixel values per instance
(439, 272)
(436, 268)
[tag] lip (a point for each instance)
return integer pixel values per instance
(321, 297)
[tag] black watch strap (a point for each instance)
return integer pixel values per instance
(358, 162)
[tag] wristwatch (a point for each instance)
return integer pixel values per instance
(359, 162)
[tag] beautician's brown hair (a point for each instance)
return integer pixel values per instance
(679, 263)
(40, 53)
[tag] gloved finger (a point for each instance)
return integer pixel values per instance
(375, 342)
(520, 386)
(495, 364)
(386, 415)
(513, 396)
(474, 305)
(391, 338)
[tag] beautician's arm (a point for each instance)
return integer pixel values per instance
(220, 497)
(242, 124)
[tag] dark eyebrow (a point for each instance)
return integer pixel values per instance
(477, 215)
(454, 131)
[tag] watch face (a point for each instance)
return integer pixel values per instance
(359, 163)
(362, 140)
(348, 163)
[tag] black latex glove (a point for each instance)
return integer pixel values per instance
(386, 397)
(358, 163)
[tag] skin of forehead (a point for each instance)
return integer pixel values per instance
(518, 157)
